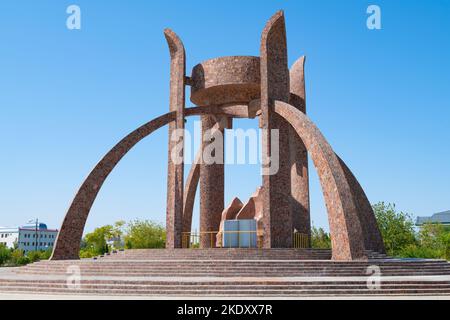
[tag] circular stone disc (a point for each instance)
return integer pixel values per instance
(224, 80)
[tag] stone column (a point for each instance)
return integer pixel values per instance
(277, 217)
(175, 172)
(301, 220)
(211, 180)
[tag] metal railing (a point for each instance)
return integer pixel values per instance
(300, 240)
(234, 239)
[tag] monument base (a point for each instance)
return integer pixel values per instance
(247, 272)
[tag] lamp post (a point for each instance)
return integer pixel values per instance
(36, 222)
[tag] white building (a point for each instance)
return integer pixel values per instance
(9, 236)
(30, 237)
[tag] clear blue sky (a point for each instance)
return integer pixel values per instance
(381, 98)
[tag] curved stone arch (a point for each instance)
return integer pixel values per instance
(67, 243)
(193, 178)
(346, 233)
(348, 242)
(190, 189)
(371, 232)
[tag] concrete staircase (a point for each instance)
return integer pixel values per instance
(231, 273)
(222, 254)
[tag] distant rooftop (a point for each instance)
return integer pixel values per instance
(29, 226)
(9, 229)
(440, 217)
(41, 226)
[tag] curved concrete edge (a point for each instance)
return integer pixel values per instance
(297, 81)
(67, 243)
(301, 219)
(371, 232)
(192, 181)
(190, 191)
(345, 228)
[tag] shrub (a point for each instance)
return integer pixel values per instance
(415, 251)
(18, 258)
(5, 254)
(320, 239)
(45, 255)
(88, 253)
(95, 242)
(445, 249)
(34, 256)
(145, 234)
(396, 227)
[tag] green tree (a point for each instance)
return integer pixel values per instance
(430, 235)
(94, 243)
(45, 255)
(396, 227)
(418, 251)
(5, 254)
(18, 258)
(118, 234)
(445, 239)
(34, 256)
(435, 238)
(320, 239)
(145, 234)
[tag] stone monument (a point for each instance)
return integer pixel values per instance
(243, 87)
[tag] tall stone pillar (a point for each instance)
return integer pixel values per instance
(277, 217)
(211, 180)
(175, 172)
(301, 220)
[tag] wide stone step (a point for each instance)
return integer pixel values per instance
(237, 263)
(255, 281)
(238, 270)
(240, 262)
(234, 266)
(232, 292)
(230, 272)
(248, 274)
(256, 287)
(233, 286)
(255, 254)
